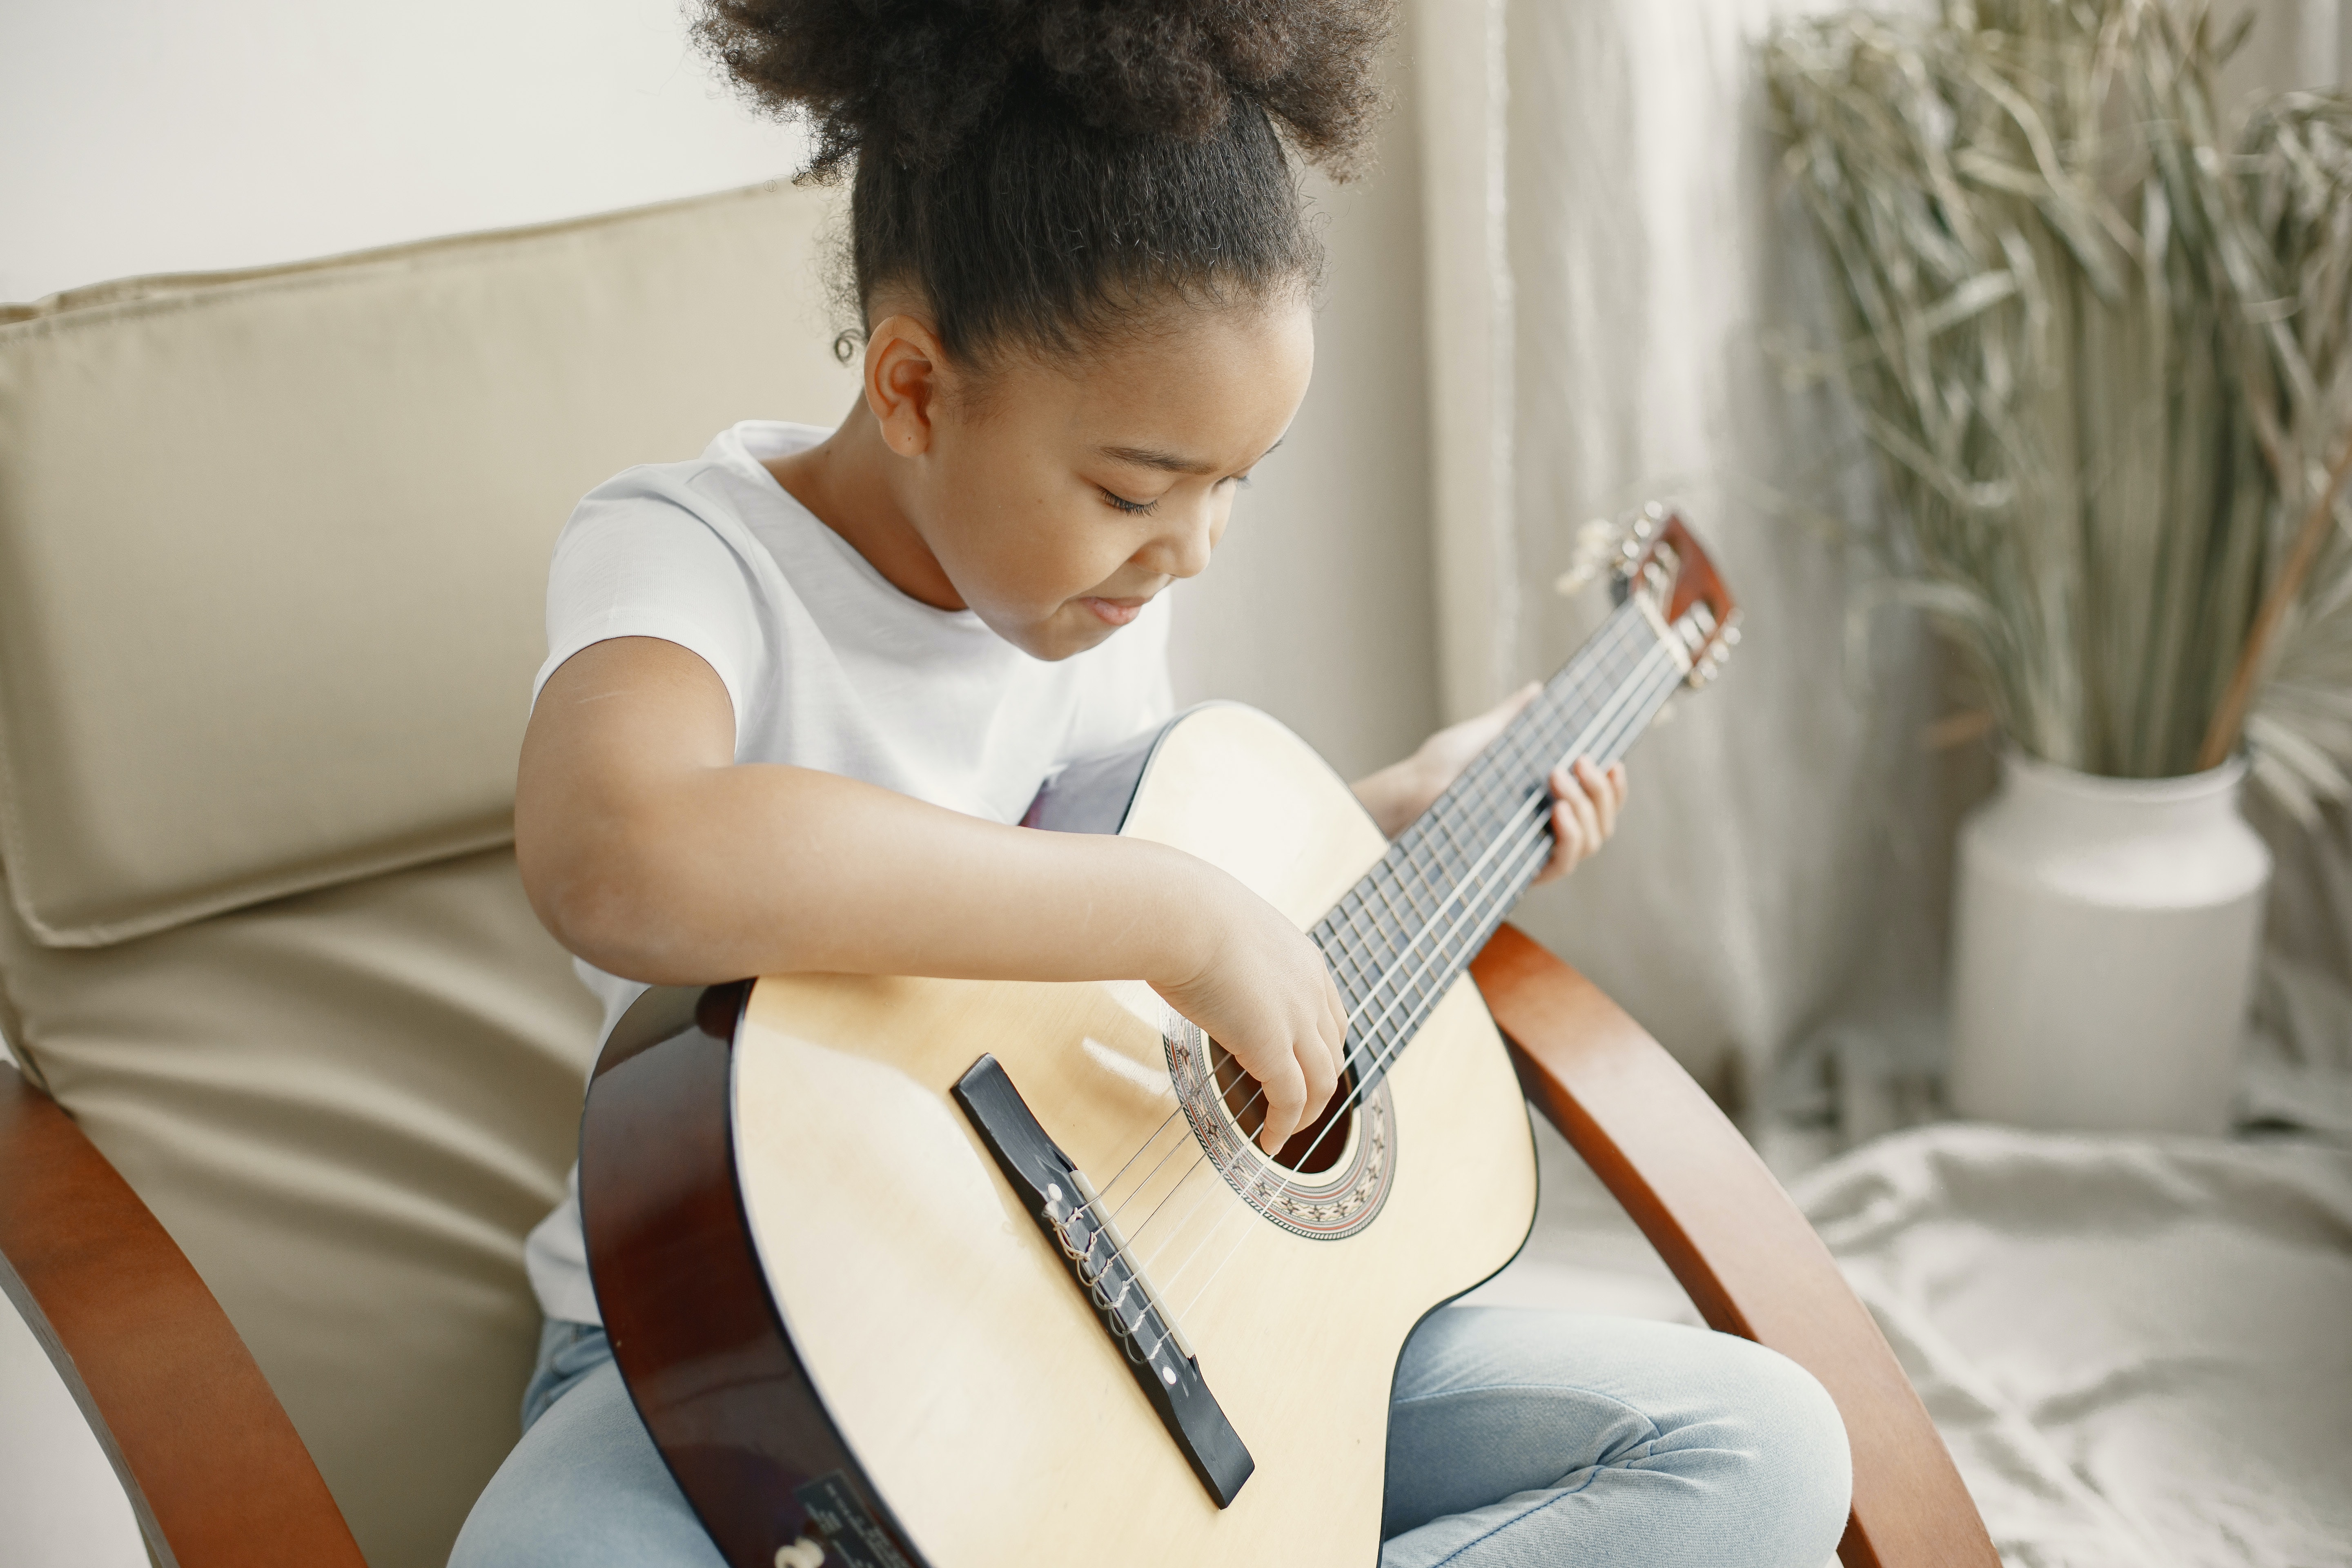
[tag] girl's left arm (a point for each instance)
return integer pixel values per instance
(1586, 800)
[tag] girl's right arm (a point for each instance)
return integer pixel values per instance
(650, 852)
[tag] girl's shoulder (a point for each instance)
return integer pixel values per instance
(722, 502)
(729, 476)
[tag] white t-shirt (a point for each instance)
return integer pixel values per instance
(829, 668)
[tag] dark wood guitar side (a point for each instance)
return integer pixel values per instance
(699, 1345)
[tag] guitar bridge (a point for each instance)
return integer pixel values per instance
(1064, 1204)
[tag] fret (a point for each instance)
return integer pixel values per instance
(1368, 1001)
(1398, 922)
(1459, 861)
(1355, 968)
(1363, 925)
(1421, 891)
(1408, 929)
(1393, 922)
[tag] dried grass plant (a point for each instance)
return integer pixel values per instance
(2104, 360)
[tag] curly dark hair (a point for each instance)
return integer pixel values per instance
(1039, 170)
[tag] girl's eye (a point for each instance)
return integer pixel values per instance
(1133, 508)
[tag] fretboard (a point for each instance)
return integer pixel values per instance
(1404, 933)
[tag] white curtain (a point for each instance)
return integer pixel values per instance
(1610, 263)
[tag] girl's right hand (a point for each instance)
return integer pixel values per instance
(1260, 988)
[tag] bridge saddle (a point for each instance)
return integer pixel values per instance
(1066, 1207)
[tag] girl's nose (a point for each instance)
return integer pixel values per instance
(1182, 551)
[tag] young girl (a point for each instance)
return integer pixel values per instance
(799, 690)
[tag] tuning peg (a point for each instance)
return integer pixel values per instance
(1731, 635)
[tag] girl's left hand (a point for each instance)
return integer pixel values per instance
(1586, 800)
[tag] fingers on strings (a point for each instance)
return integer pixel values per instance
(1286, 1091)
(1586, 801)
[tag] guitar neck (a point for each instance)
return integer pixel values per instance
(1401, 935)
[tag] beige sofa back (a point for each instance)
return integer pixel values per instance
(272, 553)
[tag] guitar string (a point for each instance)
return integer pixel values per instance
(1610, 722)
(1414, 993)
(1249, 1201)
(1524, 858)
(1370, 922)
(1369, 930)
(1522, 861)
(1531, 837)
(1257, 1185)
(1603, 726)
(1546, 736)
(1532, 818)
(1618, 633)
(1617, 721)
(1493, 781)
(1496, 781)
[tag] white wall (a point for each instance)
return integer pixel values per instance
(60, 1506)
(147, 136)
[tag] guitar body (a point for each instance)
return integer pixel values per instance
(956, 1360)
(910, 1273)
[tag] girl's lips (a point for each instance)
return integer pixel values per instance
(1113, 610)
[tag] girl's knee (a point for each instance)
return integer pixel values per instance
(1798, 1480)
(584, 1488)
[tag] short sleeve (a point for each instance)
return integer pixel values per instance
(637, 565)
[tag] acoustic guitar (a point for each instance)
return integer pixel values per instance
(906, 1272)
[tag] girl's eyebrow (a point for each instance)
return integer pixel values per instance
(1167, 462)
(1151, 458)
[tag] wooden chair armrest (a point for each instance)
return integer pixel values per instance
(1740, 1248)
(216, 1476)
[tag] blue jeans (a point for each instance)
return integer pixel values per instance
(1516, 1439)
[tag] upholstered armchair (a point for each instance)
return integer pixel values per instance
(300, 1067)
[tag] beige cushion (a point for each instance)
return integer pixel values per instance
(347, 1108)
(273, 545)
(273, 549)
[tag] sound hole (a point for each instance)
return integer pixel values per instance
(1247, 1108)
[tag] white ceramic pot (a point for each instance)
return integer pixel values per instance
(2103, 948)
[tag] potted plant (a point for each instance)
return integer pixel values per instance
(2101, 353)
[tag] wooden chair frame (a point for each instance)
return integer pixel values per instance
(215, 1474)
(218, 1478)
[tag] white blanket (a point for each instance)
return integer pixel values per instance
(2139, 1352)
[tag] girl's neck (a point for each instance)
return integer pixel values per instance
(850, 481)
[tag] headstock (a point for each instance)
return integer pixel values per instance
(1663, 562)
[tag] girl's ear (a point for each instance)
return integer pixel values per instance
(903, 365)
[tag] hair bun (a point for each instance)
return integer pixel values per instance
(912, 79)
